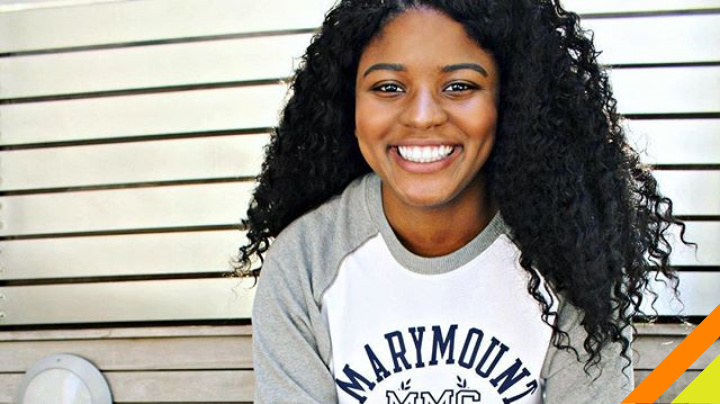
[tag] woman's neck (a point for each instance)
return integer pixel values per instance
(436, 231)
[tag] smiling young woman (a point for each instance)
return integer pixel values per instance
(455, 214)
(425, 118)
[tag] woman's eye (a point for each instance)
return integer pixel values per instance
(394, 88)
(460, 87)
(387, 88)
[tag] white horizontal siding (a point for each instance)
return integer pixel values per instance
(706, 235)
(663, 39)
(660, 140)
(177, 253)
(163, 113)
(693, 192)
(667, 90)
(24, 5)
(167, 160)
(186, 347)
(698, 295)
(196, 386)
(126, 208)
(625, 6)
(187, 63)
(152, 20)
(152, 300)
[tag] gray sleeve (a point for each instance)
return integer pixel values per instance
(288, 367)
(566, 381)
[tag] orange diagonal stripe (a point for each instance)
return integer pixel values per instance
(679, 360)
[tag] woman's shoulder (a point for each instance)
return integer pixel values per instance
(314, 243)
(344, 211)
(609, 381)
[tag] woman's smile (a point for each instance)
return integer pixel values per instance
(426, 111)
(424, 159)
(424, 154)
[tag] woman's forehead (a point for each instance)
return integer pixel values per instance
(424, 37)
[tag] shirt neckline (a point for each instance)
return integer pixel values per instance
(428, 265)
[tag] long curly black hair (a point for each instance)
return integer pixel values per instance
(582, 208)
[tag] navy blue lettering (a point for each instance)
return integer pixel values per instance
(397, 353)
(493, 344)
(469, 394)
(417, 340)
(380, 372)
(473, 332)
(392, 398)
(532, 386)
(354, 384)
(509, 377)
(445, 398)
(444, 345)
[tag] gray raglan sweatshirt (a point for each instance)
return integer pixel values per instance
(344, 313)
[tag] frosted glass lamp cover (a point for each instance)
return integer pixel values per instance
(64, 379)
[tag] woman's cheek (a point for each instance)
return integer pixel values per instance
(373, 119)
(478, 117)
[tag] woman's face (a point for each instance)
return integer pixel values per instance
(426, 108)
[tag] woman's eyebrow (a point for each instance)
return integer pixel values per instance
(460, 66)
(385, 66)
(449, 68)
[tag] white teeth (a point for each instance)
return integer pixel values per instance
(424, 154)
(416, 154)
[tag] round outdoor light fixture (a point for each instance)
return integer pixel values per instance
(64, 379)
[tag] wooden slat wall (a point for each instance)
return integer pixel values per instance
(180, 64)
(204, 204)
(130, 22)
(195, 366)
(133, 255)
(200, 364)
(185, 92)
(148, 114)
(231, 157)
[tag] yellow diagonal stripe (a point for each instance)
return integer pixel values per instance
(705, 388)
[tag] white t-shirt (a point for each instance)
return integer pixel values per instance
(468, 334)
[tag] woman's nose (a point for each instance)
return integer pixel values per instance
(423, 111)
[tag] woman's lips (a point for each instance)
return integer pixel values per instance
(424, 168)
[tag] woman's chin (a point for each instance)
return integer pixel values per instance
(421, 198)
(432, 193)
